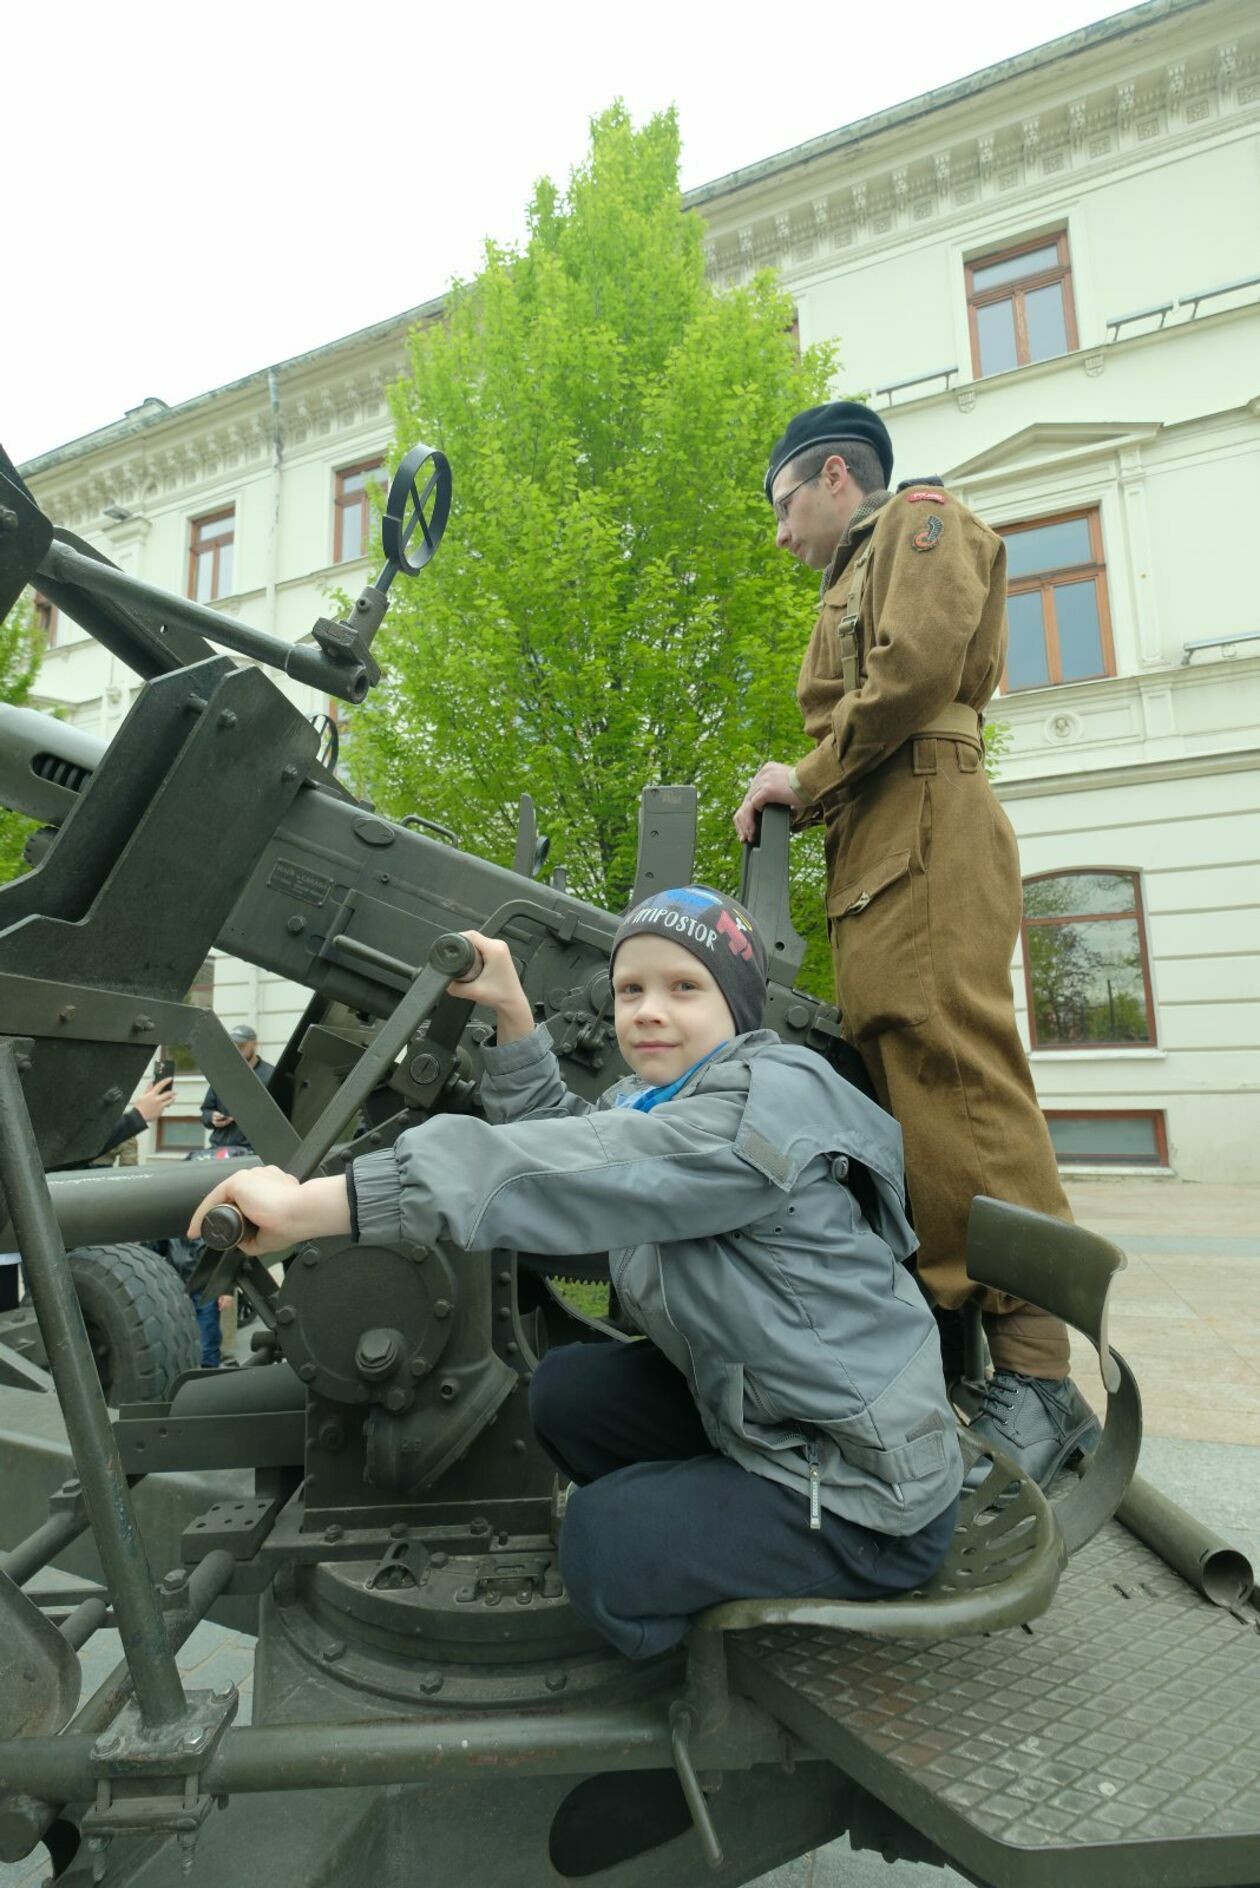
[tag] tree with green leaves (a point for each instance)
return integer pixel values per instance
(608, 609)
(20, 654)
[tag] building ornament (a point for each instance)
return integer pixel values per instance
(1171, 99)
(1063, 727)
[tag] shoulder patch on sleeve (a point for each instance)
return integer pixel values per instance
(765, 1157)
(764, 1140)
(929, 533)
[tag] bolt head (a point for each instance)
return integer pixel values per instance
(306, 1372)
(431, 1683)
(556, 1681)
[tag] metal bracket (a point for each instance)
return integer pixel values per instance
(126, 1759)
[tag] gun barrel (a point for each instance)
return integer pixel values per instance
(112, 1205)
(44, 764)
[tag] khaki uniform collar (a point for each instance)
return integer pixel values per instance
(859, 524)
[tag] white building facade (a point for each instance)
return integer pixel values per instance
(1047, 278)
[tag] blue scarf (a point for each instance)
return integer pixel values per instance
(648, 1098)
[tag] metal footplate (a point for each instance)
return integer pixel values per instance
(1114, 1743)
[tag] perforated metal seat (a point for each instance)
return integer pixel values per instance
(1011, 1543)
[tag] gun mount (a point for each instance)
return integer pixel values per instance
(420, 1676)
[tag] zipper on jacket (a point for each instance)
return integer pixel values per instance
(815, 1491)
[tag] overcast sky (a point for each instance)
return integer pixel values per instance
(195, 192)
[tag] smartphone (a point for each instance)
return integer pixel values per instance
(164, 1068)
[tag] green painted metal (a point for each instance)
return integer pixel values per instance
(105, 1491)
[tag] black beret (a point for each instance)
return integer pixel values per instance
(832, 425)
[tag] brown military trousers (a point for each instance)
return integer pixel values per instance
(924, 904)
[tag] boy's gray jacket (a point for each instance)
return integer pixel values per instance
(808, 1347)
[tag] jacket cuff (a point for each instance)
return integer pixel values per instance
(819, 772)
(506, 1058)
(376, 1190)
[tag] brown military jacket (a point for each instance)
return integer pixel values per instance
(931, 630)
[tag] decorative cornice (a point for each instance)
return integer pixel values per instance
(145, 470)
(1106, 125)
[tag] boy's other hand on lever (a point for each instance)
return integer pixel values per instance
(497, 987)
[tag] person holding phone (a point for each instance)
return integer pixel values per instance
(225, 1130)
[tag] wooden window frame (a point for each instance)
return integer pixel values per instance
(1045, 581)
(1155, 1115)
(162, 1146)
(344, 501)
(1090, 917)
(48, 617)
(216, 544)
(1016, 291)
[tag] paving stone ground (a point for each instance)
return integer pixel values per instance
(1186, 1315)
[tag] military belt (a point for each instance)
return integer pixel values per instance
(954, 722)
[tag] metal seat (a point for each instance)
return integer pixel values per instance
(1011, 1542)
(1001, 1569)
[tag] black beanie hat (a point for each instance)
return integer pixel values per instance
(718, 932)
(832, 425)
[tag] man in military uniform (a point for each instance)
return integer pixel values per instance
(924, 893)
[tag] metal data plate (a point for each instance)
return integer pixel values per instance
(1113, 1743)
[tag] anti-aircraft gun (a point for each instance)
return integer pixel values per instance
(366, 1494)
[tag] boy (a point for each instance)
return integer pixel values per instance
(783, 1426)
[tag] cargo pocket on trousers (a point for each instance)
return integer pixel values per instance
(878, 924)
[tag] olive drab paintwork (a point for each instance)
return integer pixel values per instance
(924, 894)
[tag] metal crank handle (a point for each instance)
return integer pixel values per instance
(225, 1226)
(456, 958)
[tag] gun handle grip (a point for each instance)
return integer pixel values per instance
(224, 1227)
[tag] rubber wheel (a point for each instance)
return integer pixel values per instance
(140, 1321)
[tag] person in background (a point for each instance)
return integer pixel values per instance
(225, 1131)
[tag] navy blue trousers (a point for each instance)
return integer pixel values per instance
(211, 1329)
(659, 1526)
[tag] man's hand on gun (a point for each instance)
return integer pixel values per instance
(771, 785)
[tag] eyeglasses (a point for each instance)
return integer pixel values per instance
(780, 506)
